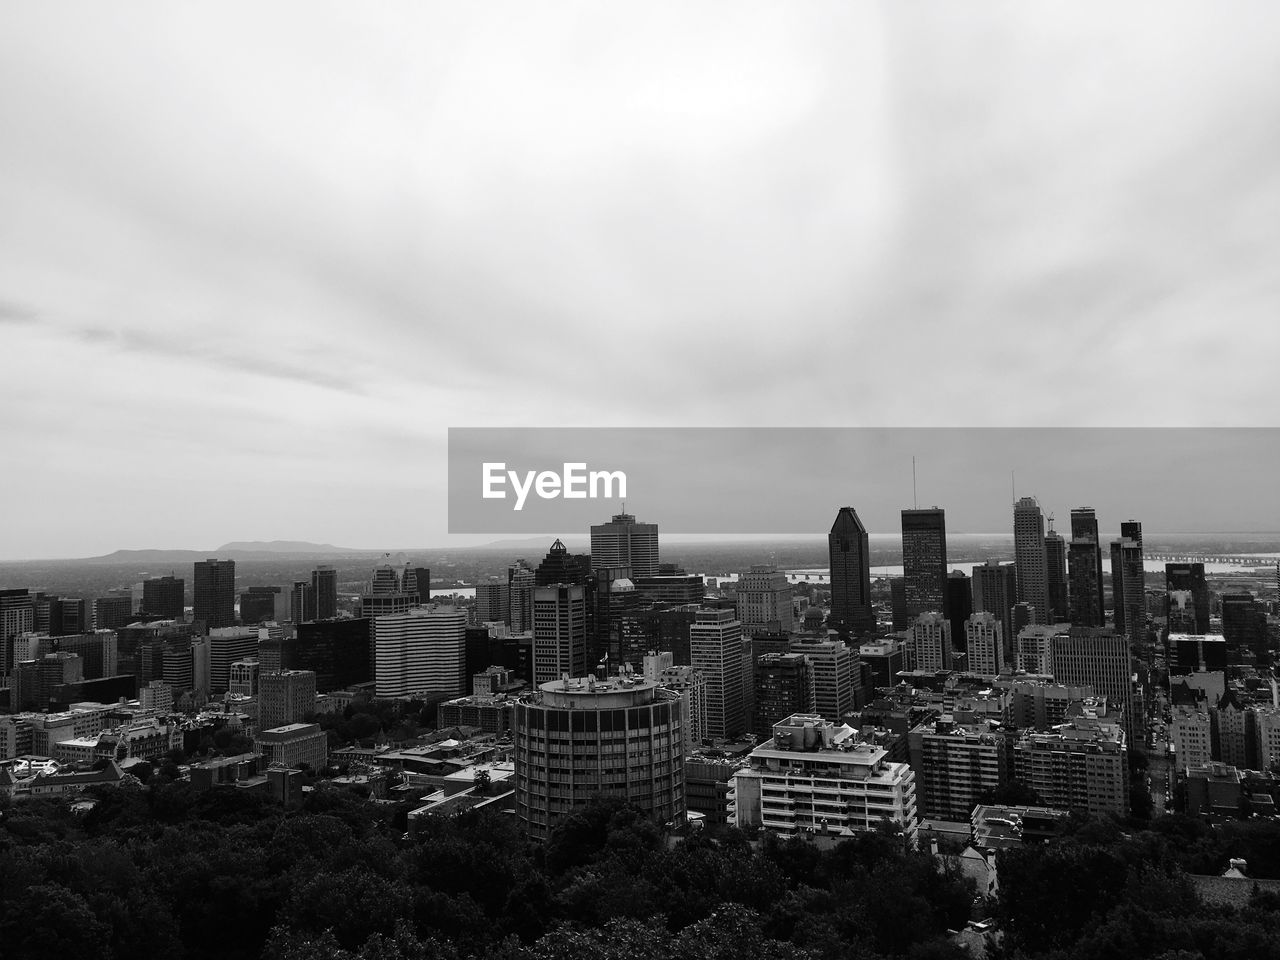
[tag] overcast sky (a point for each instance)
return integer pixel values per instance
(256, 258)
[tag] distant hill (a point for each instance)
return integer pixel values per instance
(281, 546)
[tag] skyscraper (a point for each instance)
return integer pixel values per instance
(385, 594)
(959, 605)
(1186, 598)
(850, 560)
(1029, 557)
(559, 632)
(1128, 587)
(324, 590)
(162, 598)
(258, 605)
(214, 598)
(421, 651)
(995, 590)
(1096, 657)
(784, 685)
(924, 561)
(113, 611)
(1087, 607)
(302, 602)
(521, 580)
(339, 652)
(285, 697)
(764, 600)
(625, 542)
(931, 642)
(985, 644)
(1055, 558)
(715, 647)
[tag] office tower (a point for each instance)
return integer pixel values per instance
(1128, 588)
(98, 652)
(898, 604)
(385, 594)
(620, 739)
(1029, 557)
(1244, 624)
(34, 681)
(1081, 766)
(955, 764)
(1084, 562)
(493, 601)
(338, 652)
(521, 580)
(924, 561)
(1033, 648)
(985, 644)
(1055, 559)
(559, 632)
(418, 580)
(258, 605)
(1099, 658)
(931, 642)
(284, 697)
(113, 611)
(810, 757)
(691, 687)
(561, 566)
(1186, 598)
(658, 627)
(850, 560)
(1086, 604)
(162, 598)
(613, 598)
(715, 647)
(294, 745)
(1131, 530)
(764, 601)
(17, 616)
(68, 615)
(227, 645)
(302, 602)
(671, 585)
(833, 676)
(244, 679)
(995, 590)
(784, 685)
(214, 597)
(625, 542)
(324, 591)
(420, 652)
(883, 659)
(959, 606)
(1197, 653)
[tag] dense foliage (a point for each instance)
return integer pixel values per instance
(165, 871)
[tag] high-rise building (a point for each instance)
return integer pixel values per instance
(324, 592)
(417, 580)
(1055, 558)
(850, 559)
(226, 645)
(715, 646)
(924, 561)
(162, 598)
(386, 594)
(338, 652)
(930, 642)
(1097, 657)
(995, 590)
(620, 738)
(493, 602)
(1186, 598)
(833, 676)
(671, 585)
(214, 597)
(284, 697)
(420, 652)
(1244, 624)
(764, 600)
(302, 602)
(614, 597)
(113, 611)
(244, 679)
(1030, 557)
(521, 581)
(1083, 766)
(98, 652)
(1128, 588)
(258, 605)
(691, 687)
(955, 764)
(1087, 607)
(559, 632)
(625, 542)
(959, 605)
(17, 616)
(561, 566)
(985, 644)
(784, 685)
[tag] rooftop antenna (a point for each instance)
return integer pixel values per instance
(1013, 487)
(915, 499)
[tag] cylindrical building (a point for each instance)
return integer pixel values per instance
(619, 738)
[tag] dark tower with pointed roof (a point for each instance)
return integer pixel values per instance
(850, 557)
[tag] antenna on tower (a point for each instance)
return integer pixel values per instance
(1013, 487)
(915, 499)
